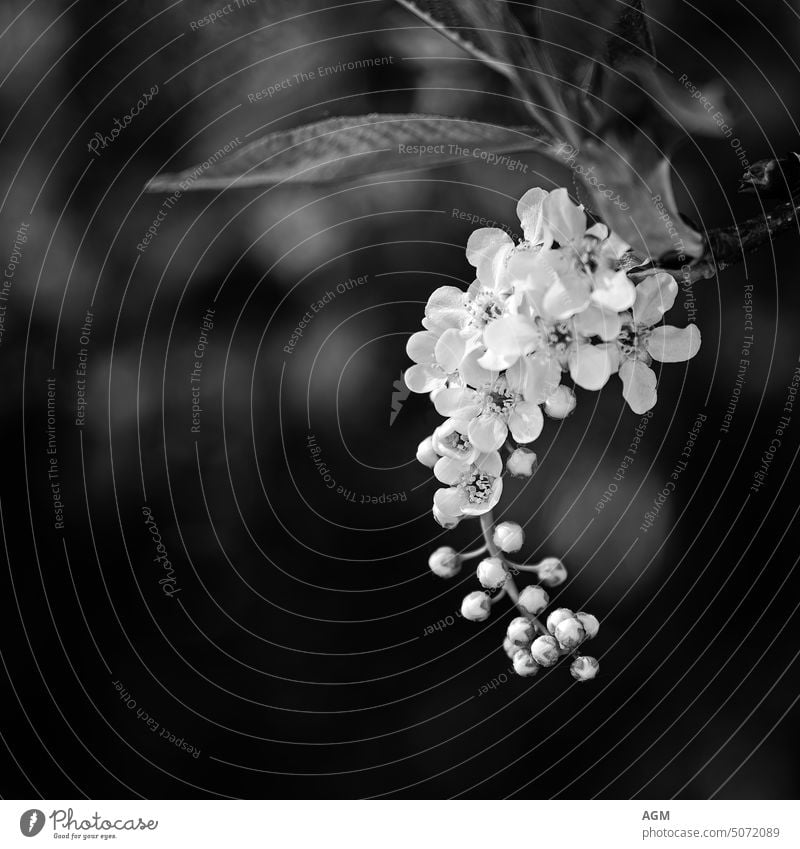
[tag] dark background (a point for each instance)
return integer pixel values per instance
(293, 655)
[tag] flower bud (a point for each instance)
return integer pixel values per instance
(590, 624)
(509, 648)
(545, 651)
(551, 572)
(569, 633)
(447, 522)
(521, 462)
(426, 454)
(561, 403)
(557, 616)
(476, 606)
(445, 562)
(533, 599)
(524, 664)
(492, 573)
(508, 536)
(584, 668)
(521, 632)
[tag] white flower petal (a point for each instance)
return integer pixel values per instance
(449, 471)
(507, 339)
(445, 308)
(424, 378)
(487, 249)
(638, 385)
(460, 403)
(535, 377)
(655, 295)
(529, 212)
(490, 463)
(615, 292)
(529, 273)
(669, 344)
(420, 346)
(447, 522)
(565, 221)
(485, 242)
(566, 297)
(450, 350)
(596, 321)
(614, 355)
(487, 432)
(599, 231)
(590, 366)
(473, 373)
(526, 422)
(449, 501)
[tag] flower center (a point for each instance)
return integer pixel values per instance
(632, 342)
(500, 401)
(456, 441)
(589, 255)
(477, 486)
(560, 337)
(483, 308)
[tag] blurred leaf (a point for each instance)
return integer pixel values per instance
(577, 42)
(581, 36)
(480, 28)
(491, 33)
(346, 148)
(661, 107)
(647, 115)
(632, 37)
(642, 207)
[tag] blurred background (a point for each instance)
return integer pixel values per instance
(296, 644)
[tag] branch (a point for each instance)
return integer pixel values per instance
(729, 245)
(772, 178)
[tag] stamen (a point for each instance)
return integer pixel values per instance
(477, 486)
(632, 342)
(560, 337)
(484, 308)
(458, 442)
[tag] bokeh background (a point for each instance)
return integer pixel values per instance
(297, 651)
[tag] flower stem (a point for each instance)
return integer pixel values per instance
(501, 595)
(487, 527)
(521, 567)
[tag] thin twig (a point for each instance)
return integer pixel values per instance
(730, 245)
(510, 587)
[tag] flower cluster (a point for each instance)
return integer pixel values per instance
(530, 644)
(558, 302)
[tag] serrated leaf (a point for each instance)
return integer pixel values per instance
(340, 149)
